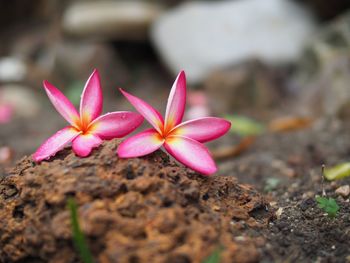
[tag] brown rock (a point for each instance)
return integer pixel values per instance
(131, 210)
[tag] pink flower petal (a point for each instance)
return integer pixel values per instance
(203, 129)
(83, 144)
(141, 144)
(146, 110)
(62, 104)
(6, 113)
(191, 153)
(55, 143)
(176, 102)
(91, 99)
(115, 124)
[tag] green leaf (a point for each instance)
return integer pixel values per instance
(214, 257)
(329, 205)
(78, 235)
(244, 126)
(337, 172)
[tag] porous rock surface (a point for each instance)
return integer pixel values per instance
(146, 209)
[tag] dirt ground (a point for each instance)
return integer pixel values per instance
(133, 210)
(151, 208)
(302, 233)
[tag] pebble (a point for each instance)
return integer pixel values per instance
(343, 190)
(12, 69)
(126, 20)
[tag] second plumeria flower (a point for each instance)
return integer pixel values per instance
(87, 129)
(182, 140)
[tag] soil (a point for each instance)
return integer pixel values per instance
(302, 232)
(132, 210)
(153, 210)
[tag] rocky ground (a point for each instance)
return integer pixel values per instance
(137, 209)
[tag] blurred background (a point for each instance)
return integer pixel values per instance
(252, 61)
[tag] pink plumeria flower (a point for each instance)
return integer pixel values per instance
(181, 140)
(88, 129)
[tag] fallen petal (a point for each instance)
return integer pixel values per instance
(141, 144)
(6, 113)
(203, 129)
(191, 153)
(115, 124)
(146, 110)
(91, 99)
(176, 102)
(83, 144)
(55, 143)
(337, 172)
(62, 104)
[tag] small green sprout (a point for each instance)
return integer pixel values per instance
(214, 257)
(329, 205)
(78, 236)
(271, 184)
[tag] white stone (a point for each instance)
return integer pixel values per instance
(201, 36)
(111, 19)
(12, 69)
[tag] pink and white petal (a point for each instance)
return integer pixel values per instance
(55, 143)
(146, 110)
(141, 144)
(91, 99)
(83, 144)
(203, 129)
(62, 104)
(191, 153)
(115, 124)
(176, 102)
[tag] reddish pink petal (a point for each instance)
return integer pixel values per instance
(191, 153)
(203, 129)
(176, 102)
(146, 110)
(115, 124)
(55, 143)
(62, 104)
(141, 144)
(83, 144)
(91, 99)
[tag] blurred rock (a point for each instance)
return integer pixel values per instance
(21, 99)
(343, 190)
(323, 76)
(111, 19)
(202, 36)
(12, 69)
(251, 85)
